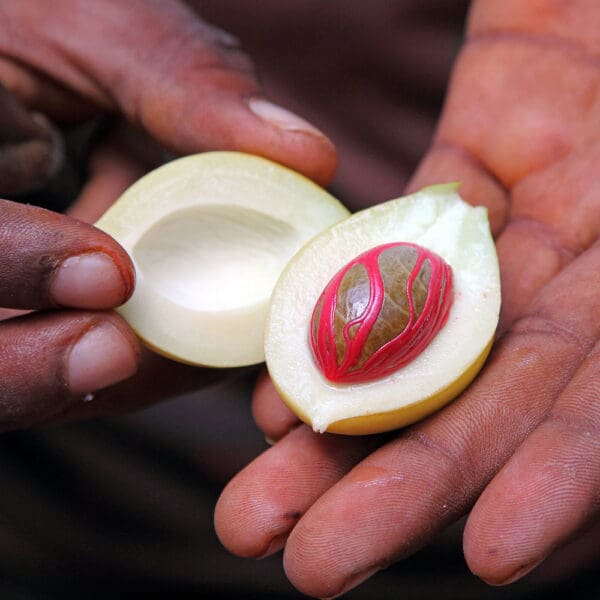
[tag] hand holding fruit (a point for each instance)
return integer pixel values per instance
(178, 84)
(518, 449)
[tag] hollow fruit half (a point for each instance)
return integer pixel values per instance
(386, 316)
(209, 235)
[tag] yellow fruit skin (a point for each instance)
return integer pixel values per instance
(387, 421)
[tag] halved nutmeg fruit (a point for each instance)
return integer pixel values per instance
(385, 316)
(209, 235)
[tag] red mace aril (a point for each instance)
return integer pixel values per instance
(379, 312)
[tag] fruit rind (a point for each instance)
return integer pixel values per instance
(406, 415)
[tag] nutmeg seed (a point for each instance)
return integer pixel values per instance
(380, 312)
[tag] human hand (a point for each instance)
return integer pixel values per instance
(519, 449)
(181, 86)
(184, 82)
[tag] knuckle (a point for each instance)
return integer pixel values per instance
(455, 457)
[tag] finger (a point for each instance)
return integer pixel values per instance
(393, 502)
(40, 93)
(156, 379)
(520, 121)
(113, 167)
(207, 97)
(261, 505)
(49, 260)
(446, 162)
(49, 362)
(533, 165)
(555, 216)
(186, 83)
(548, 491)
(30, 148)
(272, 416)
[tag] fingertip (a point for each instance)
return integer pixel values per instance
(498, 544)
(271, 415)
(244, 123)
(445, 162)
(281, 118)
(242, 526)
(302, 146)
(50, 260)
(105, 354)
(92, 280)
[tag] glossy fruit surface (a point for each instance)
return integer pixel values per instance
(436, 219)
(379, 312)
(209, 235)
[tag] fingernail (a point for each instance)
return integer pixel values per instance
(276, 544)
(281, 117)
(89, 281)
(354, 580)
(518, 574)
(101, 357)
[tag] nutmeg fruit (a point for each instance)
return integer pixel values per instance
(345, 362)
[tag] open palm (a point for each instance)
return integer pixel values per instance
(520, 448)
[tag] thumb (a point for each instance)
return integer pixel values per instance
(187, 83)
(202, 93)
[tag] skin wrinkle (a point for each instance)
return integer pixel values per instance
(548, 235)
(562, 479)
(576, 203)
(48, 265)
(168, 51)
(12, 412)
(537, 323)
(576, 423)
(63, 410)
(565, 334)
(33, 264)
(457, 463)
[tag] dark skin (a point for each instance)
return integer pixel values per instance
(518, 450)
(179, 85)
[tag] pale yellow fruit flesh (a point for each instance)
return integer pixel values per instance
(394, 419)
(435, 218)
(209, 235)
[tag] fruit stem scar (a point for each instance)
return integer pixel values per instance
(357, 335)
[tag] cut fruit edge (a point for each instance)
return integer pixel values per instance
(389, 417)
(407, 415)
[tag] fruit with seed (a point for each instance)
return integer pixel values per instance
(346, 363)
